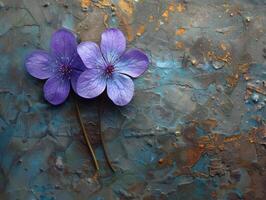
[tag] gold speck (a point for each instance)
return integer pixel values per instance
(179, 45)
(105, 19)
(201, 146)
(141, 30)
(223, 47)
(85, 4)
(171, 8)
(194, 61)
(180, 7)
(160, 161)
(165, 14)
(151, 18)
(180, 31)
(248, 19)
(126, 7)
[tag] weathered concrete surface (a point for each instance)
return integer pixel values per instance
(195, 129)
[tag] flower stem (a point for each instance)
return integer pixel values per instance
(101, 135)
(86, 138)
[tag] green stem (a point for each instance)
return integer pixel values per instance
(86, 138)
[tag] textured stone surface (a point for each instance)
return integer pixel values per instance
(194, 130)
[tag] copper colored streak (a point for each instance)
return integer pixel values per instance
(127, 27)
(160, 161)
(244, 69)
(180, 7)
(215, 141)
(126, 7)
(151, 18)
(171, 8)
(103, 4)
(232, 80)
(232, 138)
(165, 14)
(180, 31)
(167, 160)
(209, 124)
(105, 19)
(223, 46)
(140, 30)
(225, 58)
(193, 156)
(179, 45)
(85, 3)
(124, 12)
(260, 90)
(252, 136)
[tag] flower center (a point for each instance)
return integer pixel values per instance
(65, 70)
(109, 70)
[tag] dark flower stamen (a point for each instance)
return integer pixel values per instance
(65, 70)
(109, 70)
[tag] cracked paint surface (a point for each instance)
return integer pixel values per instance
(194, 130)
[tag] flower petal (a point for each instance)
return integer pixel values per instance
(120, 89)
(56, 89)
(63, 45)
(74, 78)
(39, 64)
(91, 55)
(113, 44)
(91, 83)
(133, 63)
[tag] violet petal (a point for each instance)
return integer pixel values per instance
(91, 83)
(120, 89)
(77, 63)
(113, 44)
(63, 45)
(56, 89)
(133, 63)
(91, 55)
(40, 65)
(74, 78)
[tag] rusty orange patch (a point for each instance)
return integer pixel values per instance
(127, 28)
(180, 31)
(165, 14)
(252, 87)
(179, 45)
(103, 4)
(141, 30)
(171, 8)
(85, 3)
(180, 7)
(223, 46)
(126, 7)
(151, 18)
(193, 155)
(225, 58)
(232, 138)
(232, 80)
(105, 19)
(209, 124)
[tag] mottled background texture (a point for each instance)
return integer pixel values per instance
(195, 129)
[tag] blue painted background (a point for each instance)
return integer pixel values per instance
(195, 129)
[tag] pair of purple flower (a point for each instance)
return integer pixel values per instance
(87, 67)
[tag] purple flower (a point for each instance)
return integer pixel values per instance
(110, 66)
(61, 66)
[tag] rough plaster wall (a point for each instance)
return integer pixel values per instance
(194, 130)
